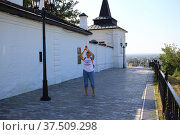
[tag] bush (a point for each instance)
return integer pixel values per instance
(170, 59)
(176, 73)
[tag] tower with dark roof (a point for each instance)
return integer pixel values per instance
(105, 10)
(107, 33)
(105, 20)
(105, 17)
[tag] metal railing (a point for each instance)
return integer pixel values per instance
(170, 100)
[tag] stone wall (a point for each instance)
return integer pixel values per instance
(18, 2)
(20, 44)
(114, 38)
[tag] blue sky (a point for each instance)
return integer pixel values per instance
(150, 23)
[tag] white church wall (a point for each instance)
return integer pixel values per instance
(20, 44)
(103, 35)
(103, 57)
(112, 37)
(18, 2)
(109, 58)
(118, 50)
(20, 69)
(65, 48)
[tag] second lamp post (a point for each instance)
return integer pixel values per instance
(36, 4)
(124, 46)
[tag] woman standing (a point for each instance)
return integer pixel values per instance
(88, 71)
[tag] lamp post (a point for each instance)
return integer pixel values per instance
(123, 46)
(36, 4)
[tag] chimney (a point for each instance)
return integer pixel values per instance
(83, 21)
(18, 2)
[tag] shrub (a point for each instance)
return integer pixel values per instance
(176, 73)
(170, 59)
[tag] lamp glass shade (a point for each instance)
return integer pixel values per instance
(121, 44)
(36, 3)
(50, 2)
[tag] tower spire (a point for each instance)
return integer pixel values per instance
(105, 10)
(105, 17)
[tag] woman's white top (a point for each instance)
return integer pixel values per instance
(88, 65)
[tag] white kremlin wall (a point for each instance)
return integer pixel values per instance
(18, 2)
(20, 44)
(112, 37)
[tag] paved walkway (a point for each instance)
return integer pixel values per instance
(149, 111)
(118, 97)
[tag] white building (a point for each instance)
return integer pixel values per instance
(21, 47)
(106, 31)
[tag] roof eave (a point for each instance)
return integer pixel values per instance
(104, 28)
(108, 28)
(14, 9)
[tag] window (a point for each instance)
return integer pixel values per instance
(78, 54)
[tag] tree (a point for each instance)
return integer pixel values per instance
(170, 59)
(27, 3)
(63, 9)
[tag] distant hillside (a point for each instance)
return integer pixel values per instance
(140, 60)
(143, 55)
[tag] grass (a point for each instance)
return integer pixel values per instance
(158, 99)
(175, 83)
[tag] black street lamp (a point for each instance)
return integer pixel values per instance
(124, 46)
(51, 4)
(36, 4)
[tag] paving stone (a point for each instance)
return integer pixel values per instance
(149, 110)
(118, 97)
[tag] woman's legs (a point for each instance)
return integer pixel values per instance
(85, 75)
(93, 89)
(86, 88)
(91, 78)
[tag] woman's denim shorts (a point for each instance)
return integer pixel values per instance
(89, 75)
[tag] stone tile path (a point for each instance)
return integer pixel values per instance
(149, 111)
(118, 97)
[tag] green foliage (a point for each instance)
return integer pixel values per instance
(27, 3)
(170, 59)
(64, 9)
(176, 73)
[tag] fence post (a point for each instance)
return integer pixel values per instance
(165, 96)
(159, 78)
(158, 66)
(153, 65)
(168, 98)
(155, 68)
(166, 75)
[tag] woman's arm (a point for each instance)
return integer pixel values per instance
(91, 54)
(81, 56)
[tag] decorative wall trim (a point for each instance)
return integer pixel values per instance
(110, 47)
